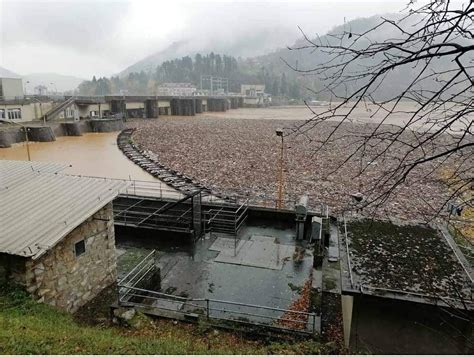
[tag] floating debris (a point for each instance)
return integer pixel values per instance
(241, 157)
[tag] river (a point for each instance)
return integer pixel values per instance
(97, 154)
(92, 154)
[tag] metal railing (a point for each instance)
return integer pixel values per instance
(177, 215)
(348, 253)
(56, 110)
(132, 292)
(457, 254)
(155, 189)
(221, 310)
(227, 219)
(136, 276)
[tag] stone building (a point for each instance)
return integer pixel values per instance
(57, 237)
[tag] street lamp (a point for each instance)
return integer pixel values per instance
(24, 88)
(279, 132)
(55, 88)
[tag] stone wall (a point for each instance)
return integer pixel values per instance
(62, 279)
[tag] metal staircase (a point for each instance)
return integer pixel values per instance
(54, 112)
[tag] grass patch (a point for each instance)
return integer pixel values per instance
(130, 258)
(28, 327)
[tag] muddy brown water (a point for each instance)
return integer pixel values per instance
(97, 154)
(92, 154)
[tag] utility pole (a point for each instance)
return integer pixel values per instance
(27, 143)
(279, 202)
(25, 129)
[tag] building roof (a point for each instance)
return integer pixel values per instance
(403, 261)
(40, 205)
(5, 73)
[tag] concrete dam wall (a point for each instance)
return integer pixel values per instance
(13, 135)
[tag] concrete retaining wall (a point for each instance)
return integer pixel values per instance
(106, 125)
(15, 135)
(419, 328)
(72, 129)
(40, 133)
(9, 137)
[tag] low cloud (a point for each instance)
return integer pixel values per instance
(86, 38)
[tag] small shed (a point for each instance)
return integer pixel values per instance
(406, 288)
(57, 237)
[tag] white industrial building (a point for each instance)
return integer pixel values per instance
(252, 90)
(11, 88)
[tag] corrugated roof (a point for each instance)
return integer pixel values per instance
(5, 73)
(40, 205)
(13, 172)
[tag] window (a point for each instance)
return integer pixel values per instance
(2, 113)
(69, 113)
(14, 113)
(80, 248)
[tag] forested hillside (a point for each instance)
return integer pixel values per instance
(190, 70)
(276, 70)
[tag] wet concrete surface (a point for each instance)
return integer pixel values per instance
(192, 270)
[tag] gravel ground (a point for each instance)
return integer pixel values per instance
(238, 156)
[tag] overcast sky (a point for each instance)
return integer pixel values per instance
(102, 37)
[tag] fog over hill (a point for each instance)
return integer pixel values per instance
(178, 64)
(53, 81)
(239, 47)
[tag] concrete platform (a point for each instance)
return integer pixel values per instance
(262, 273)
(171, 305)
(227, 246)
(259, 253)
